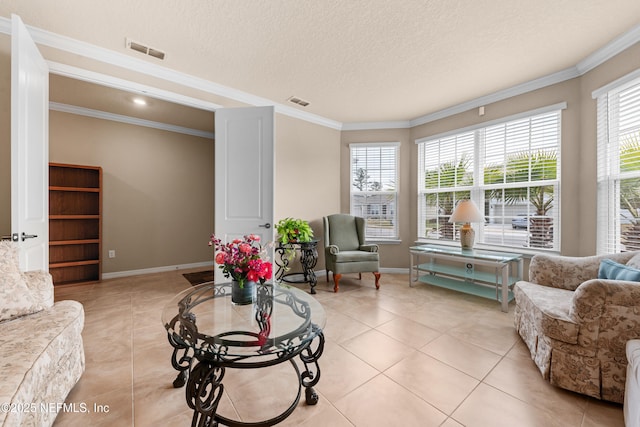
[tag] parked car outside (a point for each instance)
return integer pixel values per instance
(521, 221)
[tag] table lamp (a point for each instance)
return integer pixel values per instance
(466, 212)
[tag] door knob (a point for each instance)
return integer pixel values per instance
(267, 225)
(28, 236)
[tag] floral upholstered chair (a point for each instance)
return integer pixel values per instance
(576, 316)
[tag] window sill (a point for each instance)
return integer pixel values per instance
(385, 242)
(526, 252)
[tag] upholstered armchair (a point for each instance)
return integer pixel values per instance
(345, 249)
(576, 325)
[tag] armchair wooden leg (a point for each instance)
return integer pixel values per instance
(327, 275)
(359, 276)
(336, 280)
(377, 279)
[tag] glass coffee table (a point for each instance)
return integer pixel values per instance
(210, 334)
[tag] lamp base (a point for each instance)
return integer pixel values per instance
(467, 236)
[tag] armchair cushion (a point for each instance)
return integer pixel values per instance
(343, 233)
(355, 256)
(612, 270)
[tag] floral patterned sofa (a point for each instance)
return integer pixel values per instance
(41, 351)
(577, 325)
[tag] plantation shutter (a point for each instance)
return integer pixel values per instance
(374, 188)
(509, 167)
(618, 174)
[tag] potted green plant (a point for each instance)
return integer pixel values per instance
(294, 230)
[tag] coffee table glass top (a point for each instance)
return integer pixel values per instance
(281, 319)
(469, 253)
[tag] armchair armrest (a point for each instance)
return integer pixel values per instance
(369, 248)
(332, 249)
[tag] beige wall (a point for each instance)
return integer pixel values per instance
(307, 174)
(158, 189)
(312, 171)
(578, 154)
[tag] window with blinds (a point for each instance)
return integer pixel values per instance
(618, 220)
(509, 168)
(374, 188)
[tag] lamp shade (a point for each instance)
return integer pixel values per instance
(466, 211)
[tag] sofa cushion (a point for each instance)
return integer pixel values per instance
(41, 359)
(614, 271)
(15, 297)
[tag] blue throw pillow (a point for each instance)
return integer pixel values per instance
(615, 271)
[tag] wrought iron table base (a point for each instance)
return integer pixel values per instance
(204, 382)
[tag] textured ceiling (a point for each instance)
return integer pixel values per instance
(355, 60)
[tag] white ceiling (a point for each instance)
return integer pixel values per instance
(353, 60)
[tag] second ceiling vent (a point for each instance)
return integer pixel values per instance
(139, 47)
(298, 101)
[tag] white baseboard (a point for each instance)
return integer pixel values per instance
(118, 274)
(164, 269)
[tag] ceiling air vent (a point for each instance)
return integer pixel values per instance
(298, 101)
(139, 47)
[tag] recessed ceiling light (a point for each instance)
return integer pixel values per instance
(139, 101)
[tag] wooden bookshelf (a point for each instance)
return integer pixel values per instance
(75, 223)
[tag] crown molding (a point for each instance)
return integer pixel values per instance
(77, 47)
(97, 114)
(126, 85)
(610, 50)
(114, 58)
(529, 86)
(399, 124)
(5, 25)
(597, 58)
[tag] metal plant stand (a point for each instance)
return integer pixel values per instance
(308, 260)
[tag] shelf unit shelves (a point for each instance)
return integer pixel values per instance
(444, 270)
(75, 223)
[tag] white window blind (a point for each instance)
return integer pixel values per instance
(618, 220)
(510, 169)
(374, 188)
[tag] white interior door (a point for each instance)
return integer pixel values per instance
(29, 149)
(244, 174)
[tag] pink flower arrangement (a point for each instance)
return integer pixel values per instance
(241, 259)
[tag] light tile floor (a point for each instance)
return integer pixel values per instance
(399, 356)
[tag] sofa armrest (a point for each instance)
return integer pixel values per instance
(40, 283)
(369, 248)
(597, 297)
